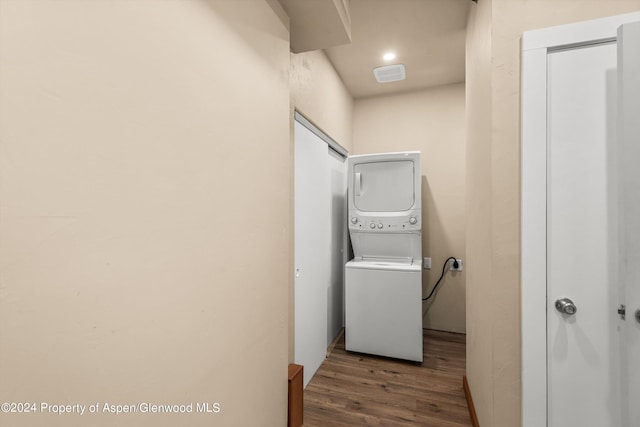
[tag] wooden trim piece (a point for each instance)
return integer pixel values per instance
(296, 402)
(472, 409)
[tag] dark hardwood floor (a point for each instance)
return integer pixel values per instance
(352, 389)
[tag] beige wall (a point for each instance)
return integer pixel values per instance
(431, 121)
(145, 222)
(478, 210)
(319, 94)
(493, 176)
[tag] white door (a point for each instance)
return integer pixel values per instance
(583, 370)
(593, 227)
(338, 244)
(319, 242)
(629, 215)
(580, 227)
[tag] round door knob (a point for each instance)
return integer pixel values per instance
(566, 306)
(413, 220)
(354, 220)
(372, 225)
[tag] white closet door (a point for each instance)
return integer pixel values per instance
(581, 223)
(582, 230)
(629, 156)
(312, 249)
(337, 245)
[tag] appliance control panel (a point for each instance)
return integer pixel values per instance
(382, 224)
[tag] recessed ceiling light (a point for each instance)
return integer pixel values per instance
(389, 56)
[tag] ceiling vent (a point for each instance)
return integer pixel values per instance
(390, 73)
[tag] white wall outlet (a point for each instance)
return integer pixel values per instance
(452, 268)
(427, 263)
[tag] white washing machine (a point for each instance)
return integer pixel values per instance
(383, 283)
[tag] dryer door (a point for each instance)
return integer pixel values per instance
(386, 186)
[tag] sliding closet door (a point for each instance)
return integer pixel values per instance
(338, 243)
(319, 211)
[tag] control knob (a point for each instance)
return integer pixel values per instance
(380, 225)
(372, 225)
(413, 220)
(354, 220)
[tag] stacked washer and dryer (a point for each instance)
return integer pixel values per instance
(383, 282)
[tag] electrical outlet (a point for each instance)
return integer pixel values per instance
(427, 263)
(452, 268)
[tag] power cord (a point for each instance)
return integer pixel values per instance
(444, 269)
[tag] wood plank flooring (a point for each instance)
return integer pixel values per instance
(352, 389)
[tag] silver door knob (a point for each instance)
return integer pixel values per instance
(566, 306)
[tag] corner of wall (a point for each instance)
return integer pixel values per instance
(479, 209)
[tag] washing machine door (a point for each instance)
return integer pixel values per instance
(387, 245)
(383, 308)
(389, 264)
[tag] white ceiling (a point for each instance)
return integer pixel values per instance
(428, 37)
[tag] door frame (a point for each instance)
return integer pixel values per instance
(535, 45)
